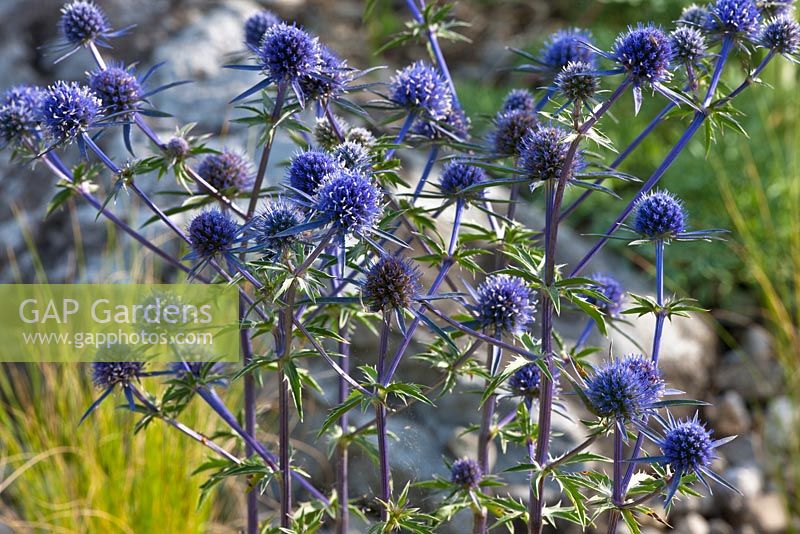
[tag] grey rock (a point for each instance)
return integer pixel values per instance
(748, 479)
(753, 380)
(729, 415)
(692, 523)
(718, 526)
(745, 449)
(780, 426)
(768, 513)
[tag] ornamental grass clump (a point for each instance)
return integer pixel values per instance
(346, 248)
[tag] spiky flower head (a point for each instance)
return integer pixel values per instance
(776, 8)
(577, 81)
(660, 215)
(519, 99)
(288, 53)
(544, 154)
(506, 304)
(118, 89)
(510, 130)
(325, 134)
(330, 80)
(308, 170)
(644, 52)
(349, 201)
(257, 25)
(353, 156)
(178, 148)
(276, 218)
(565, 46)
(526, 381)
(420, 87)
(466, 473)
(458, 176)
(212, 232)
(781, 34)
(68, 109)
(227, 170)
(688, 45)
(625, 388)
(82, 22)
(694, 16)
(734, 17)
(106, 374)
(19, 114)
(391, 284)
(611, 289)
(687, 446)
(455, 124)
(362, 136)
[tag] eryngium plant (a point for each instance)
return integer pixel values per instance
(342, 245)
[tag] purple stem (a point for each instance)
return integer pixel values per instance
(264, 162)
(481, 517)
(249, 414)
(343, 512)
(434, 153)
(402, 133)
(380, 416)
(587, 330)
(749, 80)
(618, 491)
(727, 45)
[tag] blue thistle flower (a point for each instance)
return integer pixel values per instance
(526, 380)
(276, 218)
(113, 367)
(211, 233)
(68, 110)
(308, 170)
(577, 81)
(510, 130)
(660, 215)
(228, 170)
(687, 448)
(257, 25)
(776, 8)
(644, 52)
(466, 473)
(694, 16)
(544, 154)
(688, 45)
(781, 34)
(420, 87)
(454, 126)
(19, 115)
(519, 100)
(506, 304)
(118, 89)
(625, 389)
(458, 176)
(109, 374)
(567, 46)
(391, 283)
(330, 80)
(288, 53)
(733, 17)
(353, 157)
(612, 289)
(82, 22)
(178, 148)
(349, 201)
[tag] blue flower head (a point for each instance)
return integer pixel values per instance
(19, 114)
(288, 53)
(276, 218)
(361, 136)
(353, 156)
(694, 16)
(211, 233)
(420, 87)
(178, 148)
(107, 374)
(455, 125)
(510, 130)
(466, 473)
(611, 289)
(519, 99)
(309, 169)
(625, 388)
(118, 89)
(68, 110)
(544, 154)
(526, 380)
(776, 8)
(458, 176)
(734, 17)
(82, 22)
(256, 26)
(331, 79)
(566, 46)
(391, 283)
(644, 52)
(660, 215)
(227, 170)
(577, 81)
(349, 201)
(688, 45)
(506, 304)
(781, 34)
